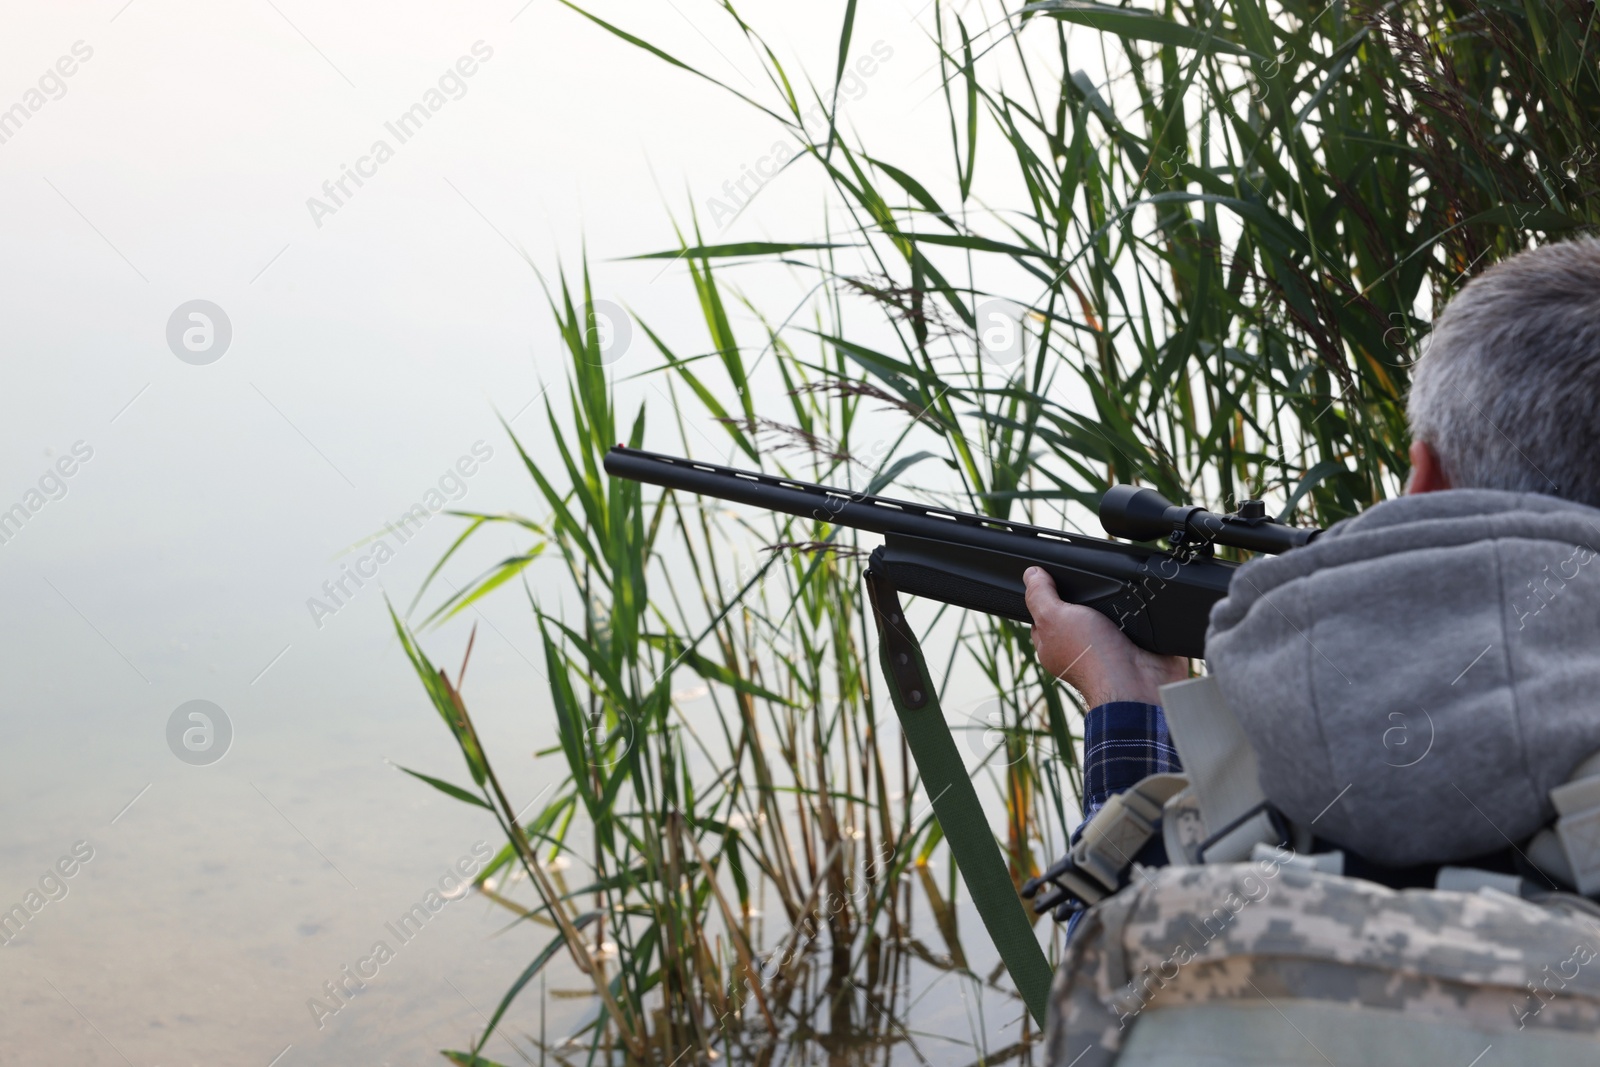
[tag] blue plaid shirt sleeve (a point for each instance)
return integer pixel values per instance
(1123, 742)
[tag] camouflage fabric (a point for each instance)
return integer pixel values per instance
(1254, 932)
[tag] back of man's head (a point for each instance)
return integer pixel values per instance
(1507, 394)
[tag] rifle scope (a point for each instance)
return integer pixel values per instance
(1137, 514)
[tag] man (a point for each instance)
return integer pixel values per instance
(1417, 679)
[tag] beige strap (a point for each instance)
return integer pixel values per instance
(1578, 803)
(1106, 848)
(1221, 767)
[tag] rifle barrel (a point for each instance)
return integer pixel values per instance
(861, 511)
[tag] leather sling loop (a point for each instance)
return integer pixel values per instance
(955, 802)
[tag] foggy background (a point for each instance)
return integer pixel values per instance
(212, 497)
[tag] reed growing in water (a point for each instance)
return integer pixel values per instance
(1229, 246)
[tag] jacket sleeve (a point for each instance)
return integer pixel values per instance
(1123, 742)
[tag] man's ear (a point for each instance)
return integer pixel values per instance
(1427, 473)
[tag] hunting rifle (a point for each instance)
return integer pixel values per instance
(1161, 598)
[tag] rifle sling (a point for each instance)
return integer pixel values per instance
(955, 802)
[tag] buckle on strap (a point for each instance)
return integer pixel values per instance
(1115, 835)
(1102, 858)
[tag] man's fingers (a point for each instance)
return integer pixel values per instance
(1040, 592)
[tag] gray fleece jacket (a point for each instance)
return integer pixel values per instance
(1418, 678)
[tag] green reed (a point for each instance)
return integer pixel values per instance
(1230, 251)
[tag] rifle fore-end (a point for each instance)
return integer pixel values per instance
(1164, 607)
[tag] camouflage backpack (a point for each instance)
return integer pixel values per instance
(1267, 962)
(1247, 950)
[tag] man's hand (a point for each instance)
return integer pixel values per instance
(1086, 650)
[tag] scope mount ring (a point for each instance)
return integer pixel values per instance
(1183, 546)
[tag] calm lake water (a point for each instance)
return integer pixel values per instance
(217, 902)
(209, 904)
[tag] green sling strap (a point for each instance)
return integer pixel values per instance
(955, 802)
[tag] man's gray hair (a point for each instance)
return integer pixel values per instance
(1508, 390)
